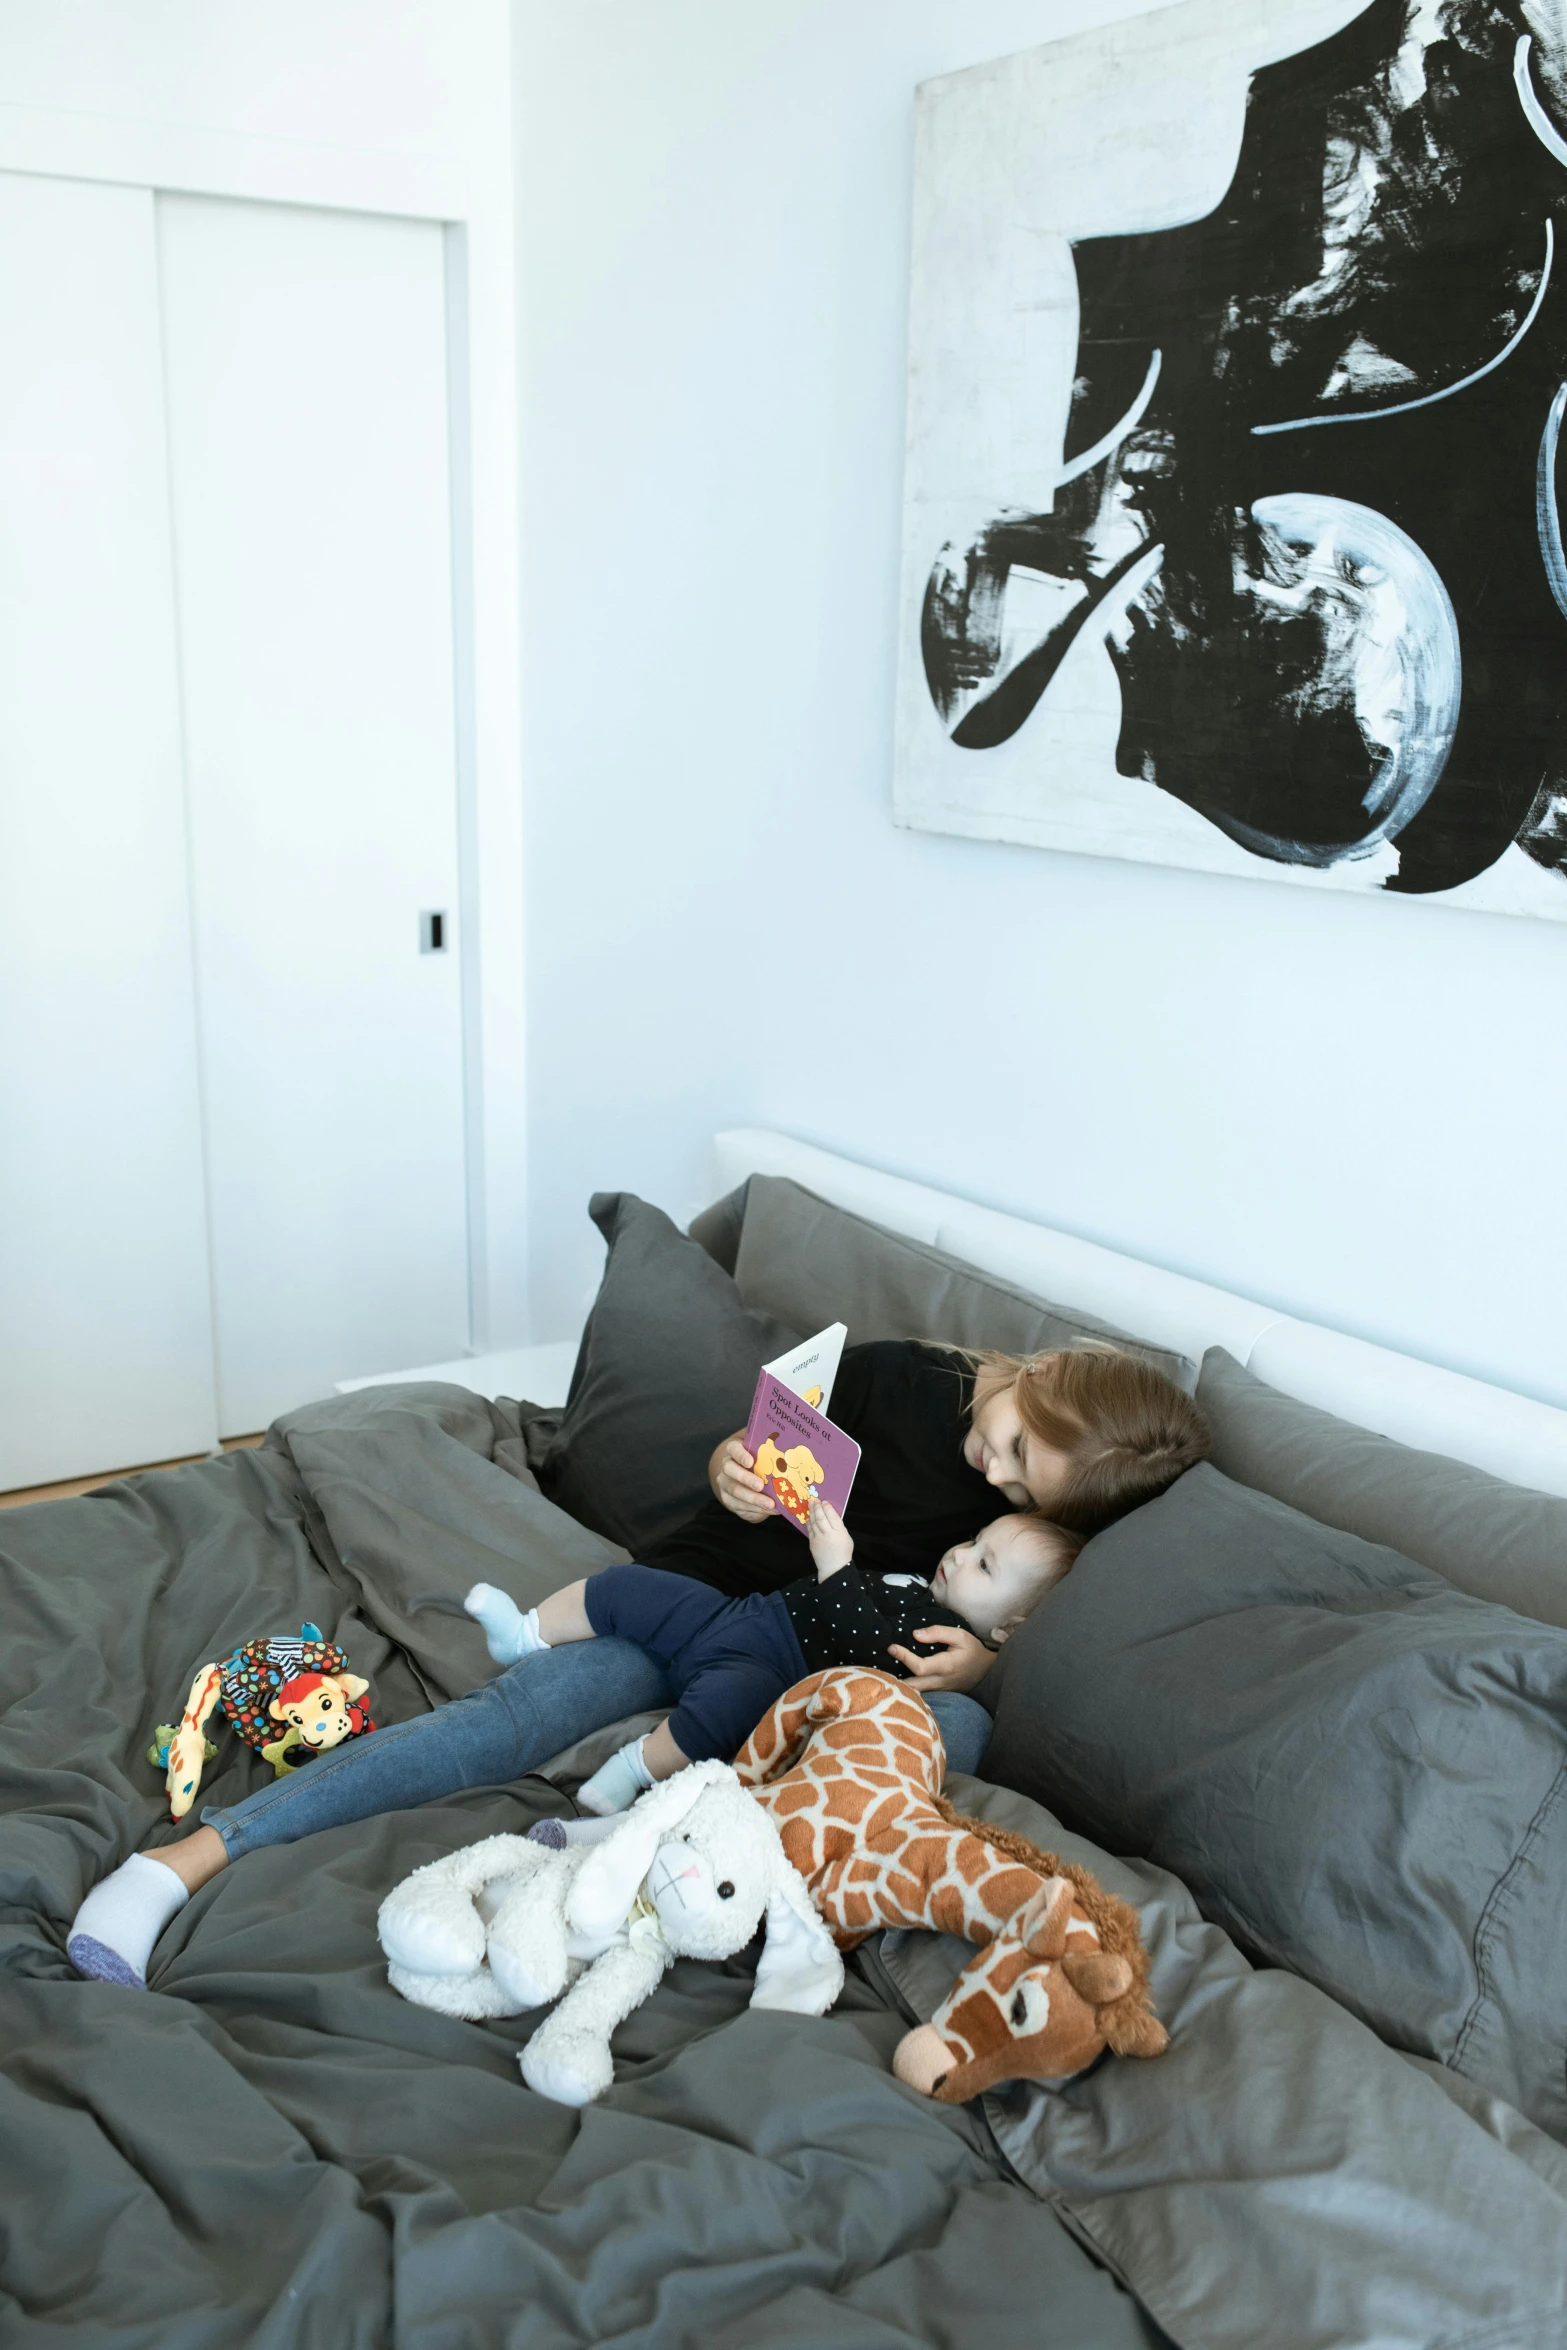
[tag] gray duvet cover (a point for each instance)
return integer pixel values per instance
(269, 2147)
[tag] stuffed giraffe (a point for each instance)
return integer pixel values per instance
(850, 1765)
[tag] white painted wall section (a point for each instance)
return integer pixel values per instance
(1352, 1112)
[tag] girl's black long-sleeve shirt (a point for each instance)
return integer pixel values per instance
(914, 1495)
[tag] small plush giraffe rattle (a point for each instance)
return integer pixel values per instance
(850, 1764)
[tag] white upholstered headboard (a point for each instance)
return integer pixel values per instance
(1414, 1402)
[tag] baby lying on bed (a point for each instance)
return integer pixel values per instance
(730, 1659)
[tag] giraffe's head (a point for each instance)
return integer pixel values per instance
(1039, 2002)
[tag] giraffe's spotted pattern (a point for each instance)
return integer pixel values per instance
(850, 1764)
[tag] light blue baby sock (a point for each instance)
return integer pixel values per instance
(509, 1635)
(616, 1786)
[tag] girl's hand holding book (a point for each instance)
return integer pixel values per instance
(730, 1473)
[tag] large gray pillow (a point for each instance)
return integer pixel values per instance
(666, 1369)
(811, 1263)
(1497, 1540)
(1360, 1772)
(718, 1228)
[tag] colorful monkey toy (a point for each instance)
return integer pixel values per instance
(301, 1683)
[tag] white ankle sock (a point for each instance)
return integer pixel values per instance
(509, 1635)
(616, 1785)
(113, 1932)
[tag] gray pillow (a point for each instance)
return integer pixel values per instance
(1360, 1772)
(718, 1227)
(666, 1369)
(1497, 1540)
(812, 1263)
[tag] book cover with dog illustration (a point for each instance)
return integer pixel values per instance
(797, 1450)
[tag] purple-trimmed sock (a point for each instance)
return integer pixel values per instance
(113, 1932)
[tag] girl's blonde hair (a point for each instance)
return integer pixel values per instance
(1126, 1431)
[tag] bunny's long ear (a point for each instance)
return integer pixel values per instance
(799, 1970)
(606, 1884)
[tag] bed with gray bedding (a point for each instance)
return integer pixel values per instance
(270, 2147)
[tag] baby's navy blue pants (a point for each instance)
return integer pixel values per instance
(729, 1660)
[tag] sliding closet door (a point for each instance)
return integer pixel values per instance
(105, 1337)
(306, 375)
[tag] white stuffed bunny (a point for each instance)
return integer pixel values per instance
(690, 1871)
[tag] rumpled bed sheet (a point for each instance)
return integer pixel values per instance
(270, 2147)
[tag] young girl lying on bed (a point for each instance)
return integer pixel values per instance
(729, 1660)
(1083, 1436)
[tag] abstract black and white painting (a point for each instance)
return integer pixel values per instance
(1238, 369)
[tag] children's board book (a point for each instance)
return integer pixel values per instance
(797, 1450)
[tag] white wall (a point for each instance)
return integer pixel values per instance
(331, 95)
(1353, 1110)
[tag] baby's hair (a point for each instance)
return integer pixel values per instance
(1061, 1543)
(1061, 1540)
(1126, 1431)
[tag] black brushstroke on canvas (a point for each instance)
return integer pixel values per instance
(1379, 244)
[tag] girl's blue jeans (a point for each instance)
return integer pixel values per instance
(495, 1734)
